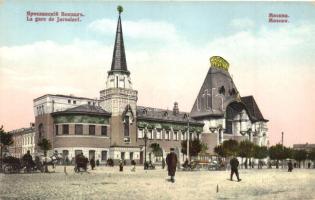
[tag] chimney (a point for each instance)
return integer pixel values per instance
(175, 108)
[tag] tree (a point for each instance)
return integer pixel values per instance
(260, 152)
(6, 140)
(156, 150)
(231, 147)
(278, 152)
(246, 150)
(219, 150)
(195, 146)
(299, 155)
(45, 146)
(311, 155)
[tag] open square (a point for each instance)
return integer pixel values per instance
(109, 183)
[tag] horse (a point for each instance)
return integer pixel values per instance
(50, 160)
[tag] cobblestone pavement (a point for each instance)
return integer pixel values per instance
(109, 183)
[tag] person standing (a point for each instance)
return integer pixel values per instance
(290, 166)
(234, 168)
(28, 161)
(133, 163)
(121, 165)
(92, 163)
(171, 161)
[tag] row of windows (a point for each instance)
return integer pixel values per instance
(104, 154)
(28, 140)
(75, 102)
(168, 135)
(40, 110)
(78, 129)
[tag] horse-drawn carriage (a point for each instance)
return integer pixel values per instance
(201, 165)
(26, 164)
(11, 164)
(81, 162)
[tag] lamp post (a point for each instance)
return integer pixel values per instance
(145, 148)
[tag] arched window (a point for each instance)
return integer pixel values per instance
(126, 126)
(40, 131)
(222, 90)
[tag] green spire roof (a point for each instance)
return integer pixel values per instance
(119, 63)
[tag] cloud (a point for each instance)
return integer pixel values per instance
(242, 23)
(144, 29)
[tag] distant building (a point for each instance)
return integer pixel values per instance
(306, 146)
(24, 140)
(114, 126)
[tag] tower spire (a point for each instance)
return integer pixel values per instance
(119, 63)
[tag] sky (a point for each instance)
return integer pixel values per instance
(168, 46)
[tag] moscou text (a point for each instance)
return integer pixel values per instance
(54, 16)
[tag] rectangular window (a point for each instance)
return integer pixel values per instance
(131, 155)
(167, 135)
(158, 134)
(77, 152)
(150, 134)
(65, 129)
(140, 133)
(183, 136)
(104, 131)
(89, 102)
(175, 135)
(65, 154)
(78, 129)
(56, 129)
(91, 129)
(122, 155)
(104, 155)
(74, 102)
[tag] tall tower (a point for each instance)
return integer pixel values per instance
(118, 97)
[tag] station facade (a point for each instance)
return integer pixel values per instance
(115, 126)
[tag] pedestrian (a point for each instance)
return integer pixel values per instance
(171, 161)
(290, 166)
(133, 163)
(92, 163)
(121, 166)
(28, 161)
(163, 163)
(234, 165)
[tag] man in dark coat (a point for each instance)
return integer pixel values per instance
(92, 163)
(28, 160)
(171, 161)
(290, 166)
(234, 165)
